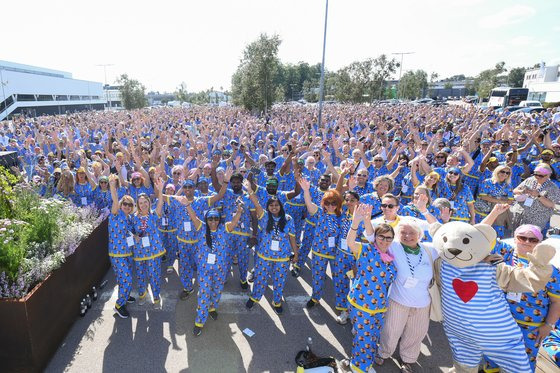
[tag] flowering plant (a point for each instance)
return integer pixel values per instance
(36, 236)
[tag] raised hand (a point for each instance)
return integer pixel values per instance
(304, 183)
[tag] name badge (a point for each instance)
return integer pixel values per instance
(242, 225)
(146, 241)
(452, 203)
(344, 244)
(164, 222)
(211, 258)
(404, 188)
(187, 226)
(332, 242)
(84, 201)
(515, 297)
(130, 241)
(410, 282)
(275, 245)
(528, 202)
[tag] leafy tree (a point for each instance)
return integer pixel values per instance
(488, 79)
(448, 85)
(413, 84)
(256, 78)
(133, 93)
(516, 76)
(181, 94)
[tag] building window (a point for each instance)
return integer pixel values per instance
(74, 98)
(26, 97)
(44, 98)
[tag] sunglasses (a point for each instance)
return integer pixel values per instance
(284, 150)
(539, 175)
(213, 219)
(128, 204)
(440, 156)
(350, 200)
(103, 182)
(453, 173)
(136, 178)
(330, 203)
(387, 205)
(384, 238)
(378, 160)
(188, 186)
(363, 175)
(528, 239)
(176, 173)
(505, 172)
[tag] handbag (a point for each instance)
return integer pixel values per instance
(436, 313)
(483, 206)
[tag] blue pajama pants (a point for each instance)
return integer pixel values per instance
(318, 274)
(122, 266)
(297, 213)
(342, 264)
(149, 271)
(551, 345)
(265, 269)
(510, 355)
(531, 348)
(364, 346)
(306, 242)
(210, 286)
(238, 246)
(171, 245)
(187, 264)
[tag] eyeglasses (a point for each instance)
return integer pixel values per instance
(378, 160)
(177, 173)
(188, 186)
(103, 182)
(387, 206)
(411, 233)
(350, 200)
(528, 239)
(213, 219)
(539, 175)
(284, 150)
(330, 203)
(384, 238)
(136, 178)
(363, 175)
(453, 173)
(128, 204)
(505, 172)
(440, 156)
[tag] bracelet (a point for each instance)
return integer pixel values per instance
(551, 325)
(354, 229)
(425, 212)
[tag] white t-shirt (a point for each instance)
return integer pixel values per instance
(414, 275)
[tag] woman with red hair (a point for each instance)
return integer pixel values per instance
(326, 238)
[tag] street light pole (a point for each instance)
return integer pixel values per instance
(107, 97)
(322, 81)
(400, 70)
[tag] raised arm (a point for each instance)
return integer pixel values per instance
(311, 207)
(230, 225)
(113, 187)
(159, 193)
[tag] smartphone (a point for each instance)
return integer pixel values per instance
(290, 147)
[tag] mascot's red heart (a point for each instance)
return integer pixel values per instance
(465, 290)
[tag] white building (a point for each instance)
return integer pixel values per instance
(32, 90)
(543, 83)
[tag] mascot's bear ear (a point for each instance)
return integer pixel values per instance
(434, 227)
(487, 231)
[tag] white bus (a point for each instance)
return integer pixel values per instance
(506, 96)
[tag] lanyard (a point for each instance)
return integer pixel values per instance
(276, 230)
(410, 266)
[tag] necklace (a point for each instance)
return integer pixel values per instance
(411, 250)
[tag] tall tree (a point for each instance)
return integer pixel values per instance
(516, 77)
(255, 81)
(414, 84)
(182, 94)
(488, 79)
(133, 93)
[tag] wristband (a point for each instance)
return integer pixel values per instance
(354, 229)
(425, 213)
(551, 325)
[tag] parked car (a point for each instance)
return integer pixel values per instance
(531, 110)
(529, 103)
(510, 109)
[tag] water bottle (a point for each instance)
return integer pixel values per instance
(309, 344)
(88, 301)
(94, 293)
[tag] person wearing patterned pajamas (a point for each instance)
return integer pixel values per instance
(148, 248)
(460, 196)
(535, 313)
(497, 189)
(168, 230)
(326, 236)
(276, 242)
(368, 296)
(120, 251)
(551, 345)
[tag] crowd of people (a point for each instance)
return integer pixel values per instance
(276, 194)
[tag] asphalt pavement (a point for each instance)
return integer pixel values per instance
(162, 340)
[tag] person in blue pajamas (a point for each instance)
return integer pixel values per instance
(83, 188)
(276, 242)
(310, 223)
(535, 313)
(168, 230)
(551, 345)
(148, 248)
(382, 184)
(344, 260)
(326, 238)
(460, 196)
(295, 206)
(368, 296)
(497, 189)
(120, 253)
(187, 235)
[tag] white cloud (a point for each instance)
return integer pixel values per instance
(514, 14)
(521, 40)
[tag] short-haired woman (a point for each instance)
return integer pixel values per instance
(496, 189)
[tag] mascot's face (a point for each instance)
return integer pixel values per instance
(462, 244)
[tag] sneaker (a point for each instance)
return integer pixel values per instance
(185, 294)
(378, 360)
(197, 330)
(342, 319)
(170, 269)
(406, 368)
(235, 261)
(345, 363)
(244, 285)
(311, 303)
(295, 272)
(142, 299)
(213, 314)
(278, 309)
(122, 312)
(158, 304)
(131, 300)
(251, 276)
(250, 303)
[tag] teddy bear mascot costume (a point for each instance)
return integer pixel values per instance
(476, 317)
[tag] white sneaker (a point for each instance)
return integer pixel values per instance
(170, 270)
(142, 299)
(158, 304)
(342, 319)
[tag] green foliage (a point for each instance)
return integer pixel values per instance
(133, 93)
(413, 84)
(181, 93)
(7, 195)
(488, 79)
(12, 246)
(547, 105)
(256, 78)
(448, 85)
(516, 77)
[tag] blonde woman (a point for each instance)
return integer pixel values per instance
(65, 188)
(496, 189)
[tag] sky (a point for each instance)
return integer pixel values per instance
(164, 43)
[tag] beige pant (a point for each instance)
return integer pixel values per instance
(408, 324)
